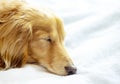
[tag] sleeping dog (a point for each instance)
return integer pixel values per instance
(29, 35)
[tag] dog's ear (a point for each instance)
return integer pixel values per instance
(60, 29)
(14, 37)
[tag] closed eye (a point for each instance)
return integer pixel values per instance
(49, 40)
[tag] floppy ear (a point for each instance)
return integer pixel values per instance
(60, 29)
(14, 37)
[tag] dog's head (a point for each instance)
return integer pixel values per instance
(47, 45)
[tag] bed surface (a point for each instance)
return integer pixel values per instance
(92, 40)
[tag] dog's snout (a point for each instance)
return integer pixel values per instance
(70, 70)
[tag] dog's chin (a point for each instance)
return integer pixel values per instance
(61, 74)
(58, 72)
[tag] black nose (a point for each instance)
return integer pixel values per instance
(70, 70)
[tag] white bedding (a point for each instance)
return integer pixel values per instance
(92, 40)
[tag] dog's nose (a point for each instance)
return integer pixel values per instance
(70, 70)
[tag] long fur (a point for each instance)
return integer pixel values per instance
(31, 35)
(15, 33)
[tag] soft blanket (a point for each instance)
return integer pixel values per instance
(92, 40)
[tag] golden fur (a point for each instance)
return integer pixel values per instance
(29, 35)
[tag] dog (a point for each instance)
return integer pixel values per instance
(29, 35)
